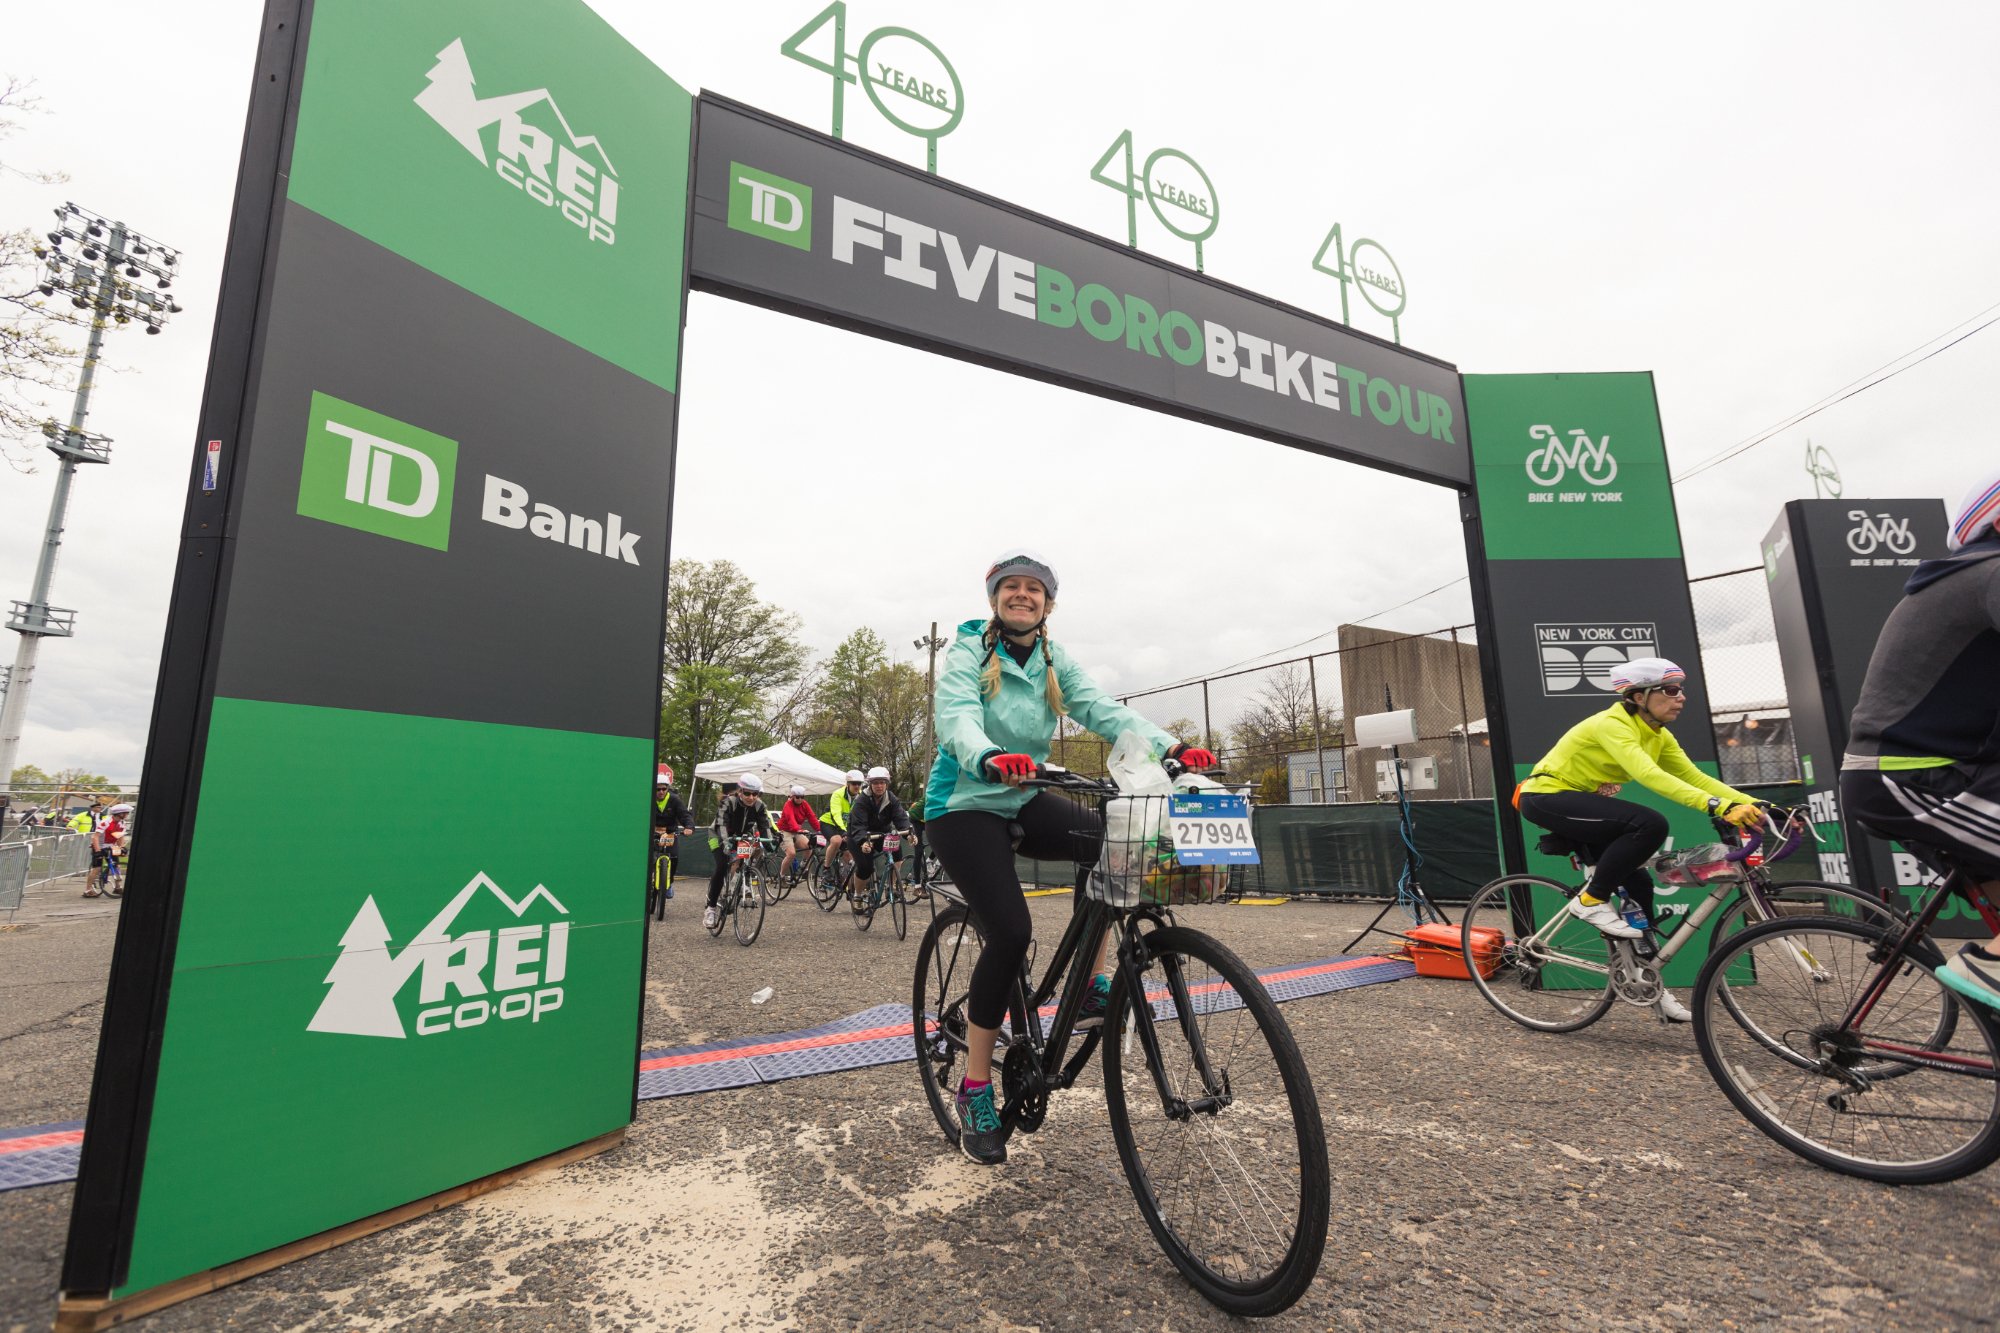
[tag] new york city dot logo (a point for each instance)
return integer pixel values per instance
(464, 980)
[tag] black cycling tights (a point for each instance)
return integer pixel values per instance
(1623, 835)
(975, 848)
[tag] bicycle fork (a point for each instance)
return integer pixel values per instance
(1132, 961)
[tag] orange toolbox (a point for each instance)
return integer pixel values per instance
(1435, 948)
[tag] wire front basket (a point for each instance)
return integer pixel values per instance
(1137, 865)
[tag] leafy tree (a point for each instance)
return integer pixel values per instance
(870, 710)
(33, 787)
(704, 709)
(35, 359)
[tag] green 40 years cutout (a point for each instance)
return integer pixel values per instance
(1173, 185)
(903, 72)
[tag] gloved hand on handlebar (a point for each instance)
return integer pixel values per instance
(1012, 769)
(1744, 816)
(1192, 756)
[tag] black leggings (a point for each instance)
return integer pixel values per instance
(976, 849)
(1621, 834)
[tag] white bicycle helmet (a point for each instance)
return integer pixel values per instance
(749, 782)
(1021, 561)
(798, 789)
(1645, 673)
(854, 775)
(878, 772)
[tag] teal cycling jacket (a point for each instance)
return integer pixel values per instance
(1017, 720)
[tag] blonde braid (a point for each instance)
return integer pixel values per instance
(989, 674)
(1054, 685)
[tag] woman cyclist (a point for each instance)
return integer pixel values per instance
(1572, 792)
(1004, 685)
(798, 823)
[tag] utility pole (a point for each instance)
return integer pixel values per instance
(100, 279)
(932, 642)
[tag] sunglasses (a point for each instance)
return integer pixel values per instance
(1671, 691)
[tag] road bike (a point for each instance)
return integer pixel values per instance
(1866, 1063)
(1211, 1106)
(1553, 972)
(886, 888)
(806, 869)
(742, 898)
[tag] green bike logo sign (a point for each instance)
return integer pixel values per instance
(372, 472)
(770, 206)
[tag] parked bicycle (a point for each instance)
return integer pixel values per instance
(1547, 970)
(742, 898)
(1214, 1115)
(1864, 1062)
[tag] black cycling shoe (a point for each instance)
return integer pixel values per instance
(1095, 1001)
(979, 1132)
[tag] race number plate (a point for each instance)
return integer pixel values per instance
(1211, 828)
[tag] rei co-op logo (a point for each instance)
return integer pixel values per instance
(1551, 461)
(556, 167)
(364, 470)
(770, 206)
(463, 980)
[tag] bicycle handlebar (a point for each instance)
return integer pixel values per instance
(1056, 778)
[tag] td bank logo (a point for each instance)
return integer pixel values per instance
(463, 980)
(770, 206)
(558, 168)
(372, 472)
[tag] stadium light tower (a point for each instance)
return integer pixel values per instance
(99, 264)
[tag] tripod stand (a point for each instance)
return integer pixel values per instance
(1410, 895)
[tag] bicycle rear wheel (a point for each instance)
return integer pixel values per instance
(1230, 1167)
(1907, 1097)
(945, 959)
(864, 903)
(1531, 959)
(749, 905)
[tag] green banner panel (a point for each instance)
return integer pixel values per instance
(471, 135)
(1571, 467)
(365, 1021)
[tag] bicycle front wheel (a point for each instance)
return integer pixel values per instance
(1531, 959)
(1216, 1123)
(1906, 1096)
(899, 909)
(945, 958)
(749, 906)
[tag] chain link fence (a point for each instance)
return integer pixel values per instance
(1743, 678)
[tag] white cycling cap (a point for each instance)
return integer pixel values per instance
(1645, 673)
(1977, 514)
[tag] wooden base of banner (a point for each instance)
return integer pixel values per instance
(77, 1313)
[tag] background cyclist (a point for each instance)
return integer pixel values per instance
(834, 822)
(1003, 685)
(1923, 754)
(671, 820)
(741, 814)
(1573, 792)
(874, 813)
(799, 823)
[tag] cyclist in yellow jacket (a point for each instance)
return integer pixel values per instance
(1573, 790)
(834, 823)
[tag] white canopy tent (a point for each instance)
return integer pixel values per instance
(780, 766)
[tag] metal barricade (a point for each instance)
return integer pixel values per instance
(14, 858)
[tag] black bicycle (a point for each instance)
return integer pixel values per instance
(742, 897)
(1214, 1115)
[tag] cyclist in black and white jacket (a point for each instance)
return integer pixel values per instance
(876, 810)
(740, 814)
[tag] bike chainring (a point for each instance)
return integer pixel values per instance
(1635, 979)
(1022, 1088)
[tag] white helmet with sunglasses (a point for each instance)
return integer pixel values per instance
(1647, 673)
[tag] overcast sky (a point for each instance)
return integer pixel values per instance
(1760, 204)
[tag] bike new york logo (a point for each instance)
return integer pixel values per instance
(1879, 532)
(1551, 461)
(1574, 655)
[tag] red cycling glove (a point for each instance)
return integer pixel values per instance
(1011, 765)
(1192, 756)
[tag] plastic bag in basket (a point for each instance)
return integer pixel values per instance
(1703, 864)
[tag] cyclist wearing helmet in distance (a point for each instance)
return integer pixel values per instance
(1923, 749)
(834, 822)
(1572, 792)
(741, 813)
(1003, 687)
(874, 813)
(798, 822)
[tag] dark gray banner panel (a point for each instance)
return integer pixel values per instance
(1836, 569)
(793, 219)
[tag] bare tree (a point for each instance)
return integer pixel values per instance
(35, 360)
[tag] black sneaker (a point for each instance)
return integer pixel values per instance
(979, 1132)
(1095, 1001)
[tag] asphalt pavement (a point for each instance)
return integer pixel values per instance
(1481, 1173)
